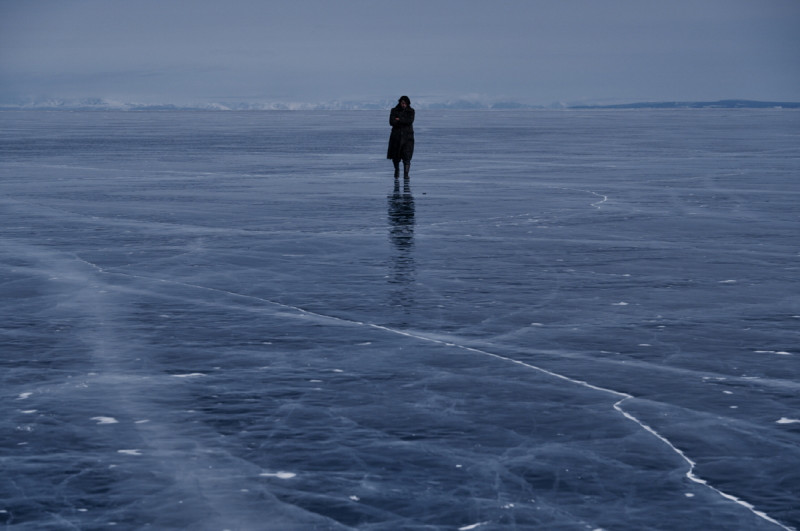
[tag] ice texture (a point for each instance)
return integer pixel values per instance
(240, 320)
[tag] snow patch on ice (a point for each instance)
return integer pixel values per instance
(778, 352)
(279, 475)
(132, 451)
(105, 420)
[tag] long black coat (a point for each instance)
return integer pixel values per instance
(401, 141)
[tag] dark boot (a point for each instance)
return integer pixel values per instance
(396, 168)
(406, 168)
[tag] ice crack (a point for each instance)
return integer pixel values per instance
(690, 473)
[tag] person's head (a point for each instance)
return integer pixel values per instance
(404, 101)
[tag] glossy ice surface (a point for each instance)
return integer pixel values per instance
(566, 320)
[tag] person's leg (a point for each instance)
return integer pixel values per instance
(396, 163)
(407, 153)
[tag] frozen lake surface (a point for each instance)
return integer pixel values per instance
(571, 320)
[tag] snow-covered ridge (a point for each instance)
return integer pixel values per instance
(102, 104)
(108, 104)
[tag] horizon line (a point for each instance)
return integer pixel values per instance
(95, 103)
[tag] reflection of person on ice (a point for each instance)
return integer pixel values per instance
(401, 141)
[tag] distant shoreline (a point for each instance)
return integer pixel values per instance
(720, 104)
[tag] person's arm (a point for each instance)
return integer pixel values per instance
(406, 117)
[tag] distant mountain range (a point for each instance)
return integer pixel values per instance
(100, 104)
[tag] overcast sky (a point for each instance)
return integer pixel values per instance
(531, 51)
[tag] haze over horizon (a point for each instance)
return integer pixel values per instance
(531, 52)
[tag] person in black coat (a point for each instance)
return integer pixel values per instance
(401, 141)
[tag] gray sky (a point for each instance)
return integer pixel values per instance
(531, 51)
